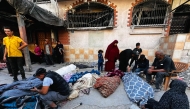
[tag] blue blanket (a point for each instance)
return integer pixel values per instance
(137, 89)
(76, 76)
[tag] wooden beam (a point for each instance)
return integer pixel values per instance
(22, 31)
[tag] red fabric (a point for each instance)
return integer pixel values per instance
(112, 54)
(109, 65)
(107, 85)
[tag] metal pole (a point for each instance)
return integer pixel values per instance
(22, 31)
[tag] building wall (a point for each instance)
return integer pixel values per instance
(83, 45)
(178, 46)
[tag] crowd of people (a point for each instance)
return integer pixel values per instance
(161, 67)
(11, 53)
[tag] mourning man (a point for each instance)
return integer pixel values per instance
(54, 88)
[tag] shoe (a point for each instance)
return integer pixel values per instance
(157, 90)
(15, 80)
(11, 74)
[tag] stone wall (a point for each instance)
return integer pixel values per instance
(178, 46)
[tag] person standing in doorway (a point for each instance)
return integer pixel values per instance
(112, 54)
(38, 53)
(48, 53)
(59, 52)
(13, 47)
(137, 51)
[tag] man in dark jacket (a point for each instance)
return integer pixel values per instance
(142, 65)
(51, 80)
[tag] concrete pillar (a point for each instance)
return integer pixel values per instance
(22, 31)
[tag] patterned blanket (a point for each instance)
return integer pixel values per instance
(137, 89)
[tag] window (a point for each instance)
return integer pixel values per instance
(90, 15)
(42, 1)
(181, 20)
(150, 13)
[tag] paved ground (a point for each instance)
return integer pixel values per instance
(118, 100)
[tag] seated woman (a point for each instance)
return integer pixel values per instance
(174, 98)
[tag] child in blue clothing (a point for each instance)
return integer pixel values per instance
(100, 60)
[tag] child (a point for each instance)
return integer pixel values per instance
(137, 51)
(100, 60)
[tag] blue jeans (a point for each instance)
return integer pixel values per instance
(100, 66)
(148, 76)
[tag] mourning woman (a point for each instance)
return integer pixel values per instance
(111, 55)
(174, 98)
(124, 58)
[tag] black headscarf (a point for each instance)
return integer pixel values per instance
(174, 98)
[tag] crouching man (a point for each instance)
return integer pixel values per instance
(54, 88)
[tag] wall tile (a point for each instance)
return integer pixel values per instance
(81, 51)
(72, 51)
(85, 51)
(86, 56)
(77, 51)
(177, 54)
(184, 53)
(184, 59)
(81, 56)
(90, 51)
(77, 56)
(188, 38)
(179, 45)
(145, 52)
(171, 45)
(176, 60)
(169, 52)
(95, 57)
(187, 45)
(66, 54)
(66, 47)
(172, 38)
(72, 56)
(91, 58)
(165, 46)
(181, 38)
(166, 39)
(151, 52)
(162, 39)
(151, 58)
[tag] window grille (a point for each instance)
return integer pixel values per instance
(90, 19)
(150, 13)
(181, 20)
(42, 1)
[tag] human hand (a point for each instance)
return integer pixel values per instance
(34, 89)
(128, 68)
(4, 59)
(149, 70)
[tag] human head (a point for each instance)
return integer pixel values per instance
(138, 45)
(36, 45)
(178, 85)
(142, 57)
(40, 73)
(58, 42)
(46, 41)
(159, 54)
(8, 31)
(115, 42)
(100, 51)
